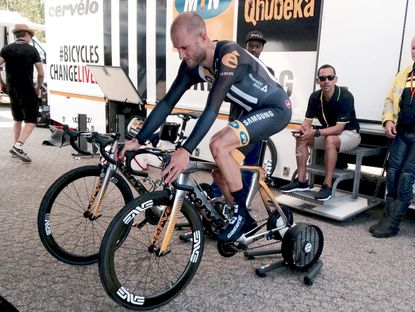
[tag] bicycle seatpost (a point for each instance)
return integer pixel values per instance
(182, 137)
(262, 150)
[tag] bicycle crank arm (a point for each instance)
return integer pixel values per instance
(247, 240)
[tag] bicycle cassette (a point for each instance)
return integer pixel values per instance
(302, 246)
(275, 220)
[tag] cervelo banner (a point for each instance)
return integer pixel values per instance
(74, 40)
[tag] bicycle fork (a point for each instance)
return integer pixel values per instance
(98, 194)
(171, 214)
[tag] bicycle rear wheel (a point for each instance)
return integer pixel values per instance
(271, 154)
(65, 230)
(133, 273)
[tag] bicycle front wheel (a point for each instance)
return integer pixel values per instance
(65, 228)
(134, 273)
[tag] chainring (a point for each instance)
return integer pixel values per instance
(227, 249)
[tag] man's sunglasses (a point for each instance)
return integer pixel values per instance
(324, 78)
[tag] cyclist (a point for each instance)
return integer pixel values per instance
(254, 44)
(241, 78)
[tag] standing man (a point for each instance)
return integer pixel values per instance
(20, 58)
(399, 123)
(254, 44)
(234, 74)
(333, 106)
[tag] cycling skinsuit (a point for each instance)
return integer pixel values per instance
(238, 77)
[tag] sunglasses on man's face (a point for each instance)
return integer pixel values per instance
(324, 78)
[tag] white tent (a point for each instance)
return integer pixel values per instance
(10, 18)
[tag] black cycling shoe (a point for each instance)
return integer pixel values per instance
(237, 226)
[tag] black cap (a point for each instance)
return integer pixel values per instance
(255, 35)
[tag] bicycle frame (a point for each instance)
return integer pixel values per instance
(108, 169)
(206, 209)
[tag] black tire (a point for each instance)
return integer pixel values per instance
(64, 230)
(271, 154)
(133, 274)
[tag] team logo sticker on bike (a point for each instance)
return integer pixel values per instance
(131, 215)
(196, 247)
(129, 297)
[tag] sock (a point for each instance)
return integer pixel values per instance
(240, 200)
(18, 145)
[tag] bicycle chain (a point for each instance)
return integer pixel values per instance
(260, 246)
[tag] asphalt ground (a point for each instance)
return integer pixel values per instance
(360, 272)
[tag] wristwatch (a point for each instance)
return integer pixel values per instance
(317, 134)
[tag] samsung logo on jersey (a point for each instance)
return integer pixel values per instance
(257, 117)
(205, 8)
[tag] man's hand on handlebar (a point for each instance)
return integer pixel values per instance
(131, 145)
(179, 162)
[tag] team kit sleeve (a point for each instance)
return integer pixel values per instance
(224, 79)
(184, 80)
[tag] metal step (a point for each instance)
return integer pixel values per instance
(305, 195)
(343, 174)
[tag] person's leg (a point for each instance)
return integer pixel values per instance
(302, 154)
(392, 177)
(223, 189)
(221, 146)
(30, 112)
(331, 148)
(222, 186)
(253, 126)
(26, 131)
(17, 129)
(404, 191)
(26, 110)
(333, 144)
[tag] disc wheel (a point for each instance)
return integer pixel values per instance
(302, 246)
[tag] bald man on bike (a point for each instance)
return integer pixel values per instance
(236, 76)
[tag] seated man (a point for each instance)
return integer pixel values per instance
(333, 106)
(237, 75)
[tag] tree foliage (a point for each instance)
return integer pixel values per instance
(34, 10)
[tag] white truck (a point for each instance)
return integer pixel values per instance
(8, 19)
(368, 42)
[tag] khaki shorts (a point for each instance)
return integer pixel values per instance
(349, 140)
